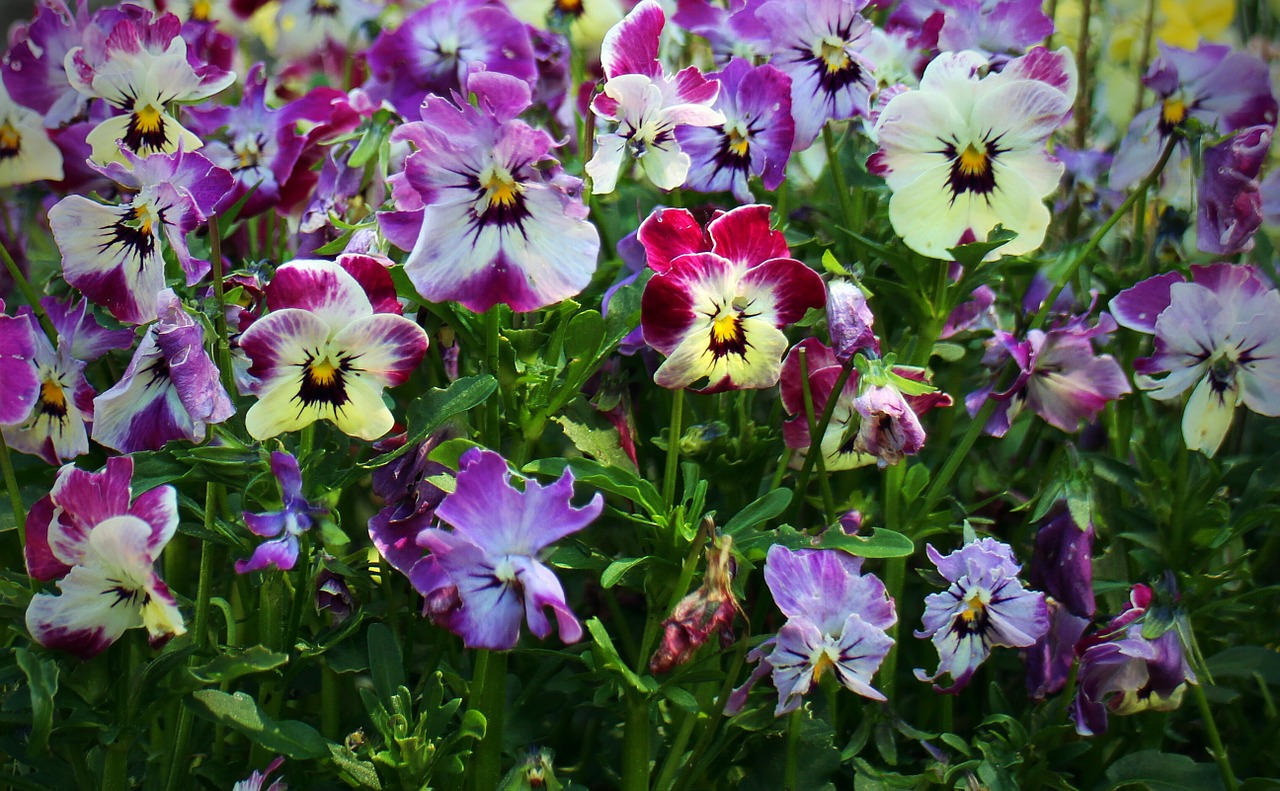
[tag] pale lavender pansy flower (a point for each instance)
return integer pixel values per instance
(1219, 334)
(490, 575)
(1221, 89)
(754, 140)
(21, 383)
(820, 46)
(1229, 199)
(836, 621)
(485, 210)
(993, 26)
(646, 104)
(985, 606)
(282, 526)
(113, 254)
(102, 549)
(967, 152)
(733, 30)
(332, 342)
(171, 389)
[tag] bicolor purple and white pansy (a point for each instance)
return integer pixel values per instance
(1217, 335)
(54, 427)
(26, 152)
(101, 545)
(486, 212)
(283, 526)
(966, 152)
(644, 106)
(332, 342)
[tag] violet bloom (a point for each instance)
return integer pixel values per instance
(255, 780)
(836, 621)
(1061, 378)
(490, 576)
(889, 403)
(1218, 334)
(1122, 672)
(1062, 561)
(411, 499)
(1223, 90)
(849, 320)
(734, 31)
(34, 66)
(282, 526)
(21, 383)
(500, 222)
(993, 26)
(1049, 661)
(985, 606)
(54, 428)
(1229, 197)
(1270, 190)
(755, 138)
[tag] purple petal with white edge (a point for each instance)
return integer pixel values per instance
(158, 508)
(384, 347)
(281, 554)
(76, 324)
(1139, 306)
(122, 272)
(631, 46)
(17, 353)
(42, 564)
(143, 411)
(85, 499)
(280, 341)
(323, 288)
(542, 590)
(849, 320)
(1055, 68)
(1234, 282)
(373, 273)
(824, 586)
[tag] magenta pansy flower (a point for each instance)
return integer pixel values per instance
(332, 342)
(489, 576)
(717, 310)
(54, 428)
(282, 527)
(101, 548)
(21, 381)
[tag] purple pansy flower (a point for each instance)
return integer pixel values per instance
(285, 525)
(849, 320)
(34, 66)
(490, 576)
(1219, 333)
(170, 390)
(21, 383)
(733, 31)
(1229, 205)
(985, 606)
(54, 428)
(755, 138)
(498, 221)
(1270, 190)
(993, 26)
(1049, 661)
(411, 499)
(102, 549)
(836, 620)
(1062, 561)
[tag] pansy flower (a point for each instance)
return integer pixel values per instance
(26, 152)
(141, 68)
(819, 45)
(306, 27)
(34, 65)
(171, 389)
(966, 152)
(586, 21)
(985, 606)
(113, 254)
(282, 527)
(1219, 334)
(332, 341)
(718, 315)
(490, 577)
(1229, 198)
(646, 104)
(1062, 565)
(732, 29)
(836, 621)
(500, 222)
(20, 377)
(101, 548)
(755, 138)
(54, 428)
(993, 26)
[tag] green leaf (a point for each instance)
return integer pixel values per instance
(294, 739)
(682, 698)
(607, 657)
(624, 311)
(609, 479)
(1246, 660)
(42, 683)
(237, 662)
(618, 569)
(914, 481)
(763, 509)
(385, 663)
(972, 254)
(1157, 771)
(833, 266)
(353, 771)
(449, 453)
(881, 543)
(603, 444)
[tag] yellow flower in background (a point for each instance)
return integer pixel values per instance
(1182, 23)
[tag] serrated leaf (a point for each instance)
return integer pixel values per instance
(240, 711)
(237, 662)
(353, 771)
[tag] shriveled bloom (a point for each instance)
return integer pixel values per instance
(836, 621)
(101, 547)
(849, 320)
(489, 576)
(1219, 334)
(26, 152)
(706, 612)
(985, 606)
(141, 68)
(283, 526)
(646, 104)
(21, 381)
(486, 212)
(332, 341)
(718, 315)
(966, 152)
(890, 400)
(1229, 197)
(113, 253)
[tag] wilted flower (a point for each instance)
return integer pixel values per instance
(1218, 333)
(1229, 198)
(285, 525)
(333, 596)
(890, 401)
(708, 611)
(101, 548)
(849, 320)
(985, 606)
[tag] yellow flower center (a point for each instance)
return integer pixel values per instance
(148, 120)
(569, 7)
(142, 216)
(10, 140)
(739, 143)
(1173, 112)
(820, 666)
(503, 190)
(323, 373)
(834, 55)
(52, 397)
(201, 10)
(972, 161)
(973, 607)
(725, 328)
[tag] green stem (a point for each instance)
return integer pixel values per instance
(220, 317)
(1148, 29)
(1220, 756)
(802, 481)
(635, 745)
(895, 571)
(201, 627)
(824, 483)
(709, 728)
(837, 175)
(15, 498)
(673, 450)
(491, 331)
(115, 769)
(672, 763)
(29, 293)
(793, 751)
(492, 699)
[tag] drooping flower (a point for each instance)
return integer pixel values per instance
(282, 526)
(820, 46)
(1229, 198)
(113, 254)
(755, 138)
(171, 389)
(21, 381)
(707, 611)
(646, 104)
(26, 152)
(718, 315)
(1221, 89)
(102, 549)
(1060, 376)
(1049, 661)
(1122, 672)
(836, 621)
(332, 341)
(985, 606)
(966, 153)
(490, 576)
(890, 400)
(500, 222)
(1217, 333)
(141, 67)
(410, 497)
